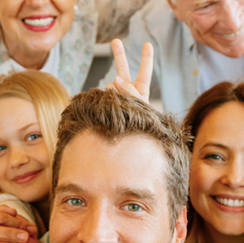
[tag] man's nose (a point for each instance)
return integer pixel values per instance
(231, 14)
(36, 3)
(233, 175)
(98, 227)
(18, 156)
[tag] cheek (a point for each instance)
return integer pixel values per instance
(3, 170)
(64, 5)
(10, 8)
(62, 228)
(41, 154)
(200, 180)
(201, 24)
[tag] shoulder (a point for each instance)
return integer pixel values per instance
(155, 22)
(23, 208)
(155, 13)
(45, 238)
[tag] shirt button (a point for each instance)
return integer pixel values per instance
(195, 72)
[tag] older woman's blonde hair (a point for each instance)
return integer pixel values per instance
(48, 96)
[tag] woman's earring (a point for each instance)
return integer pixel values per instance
(76, 7)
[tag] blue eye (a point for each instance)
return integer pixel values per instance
(133, 207)
(213, 156)
(75, 202)
(33, 137)
(3, 148)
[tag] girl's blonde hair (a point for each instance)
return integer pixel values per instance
(48, 96)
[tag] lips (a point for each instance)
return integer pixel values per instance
(27, 177)
(39, 23)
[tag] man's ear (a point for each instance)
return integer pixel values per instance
(181, 227)
(175, 8)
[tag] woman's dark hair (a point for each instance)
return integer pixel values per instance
(210, 100)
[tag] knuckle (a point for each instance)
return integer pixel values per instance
(4, 218)
(4, 206)
(11, 234)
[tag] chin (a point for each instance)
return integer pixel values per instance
(233, 52)
(42, 45)
(42, 49)
(231, 229)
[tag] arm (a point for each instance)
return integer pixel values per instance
(114, 17)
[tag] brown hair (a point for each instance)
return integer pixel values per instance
(211, 99)
(45, 92)
(112, 115)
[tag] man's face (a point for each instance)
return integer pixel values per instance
(218, 24)
(113, 193)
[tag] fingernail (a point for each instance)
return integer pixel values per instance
(119, 80)
(22, 236)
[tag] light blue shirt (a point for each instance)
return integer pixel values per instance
(176, 59)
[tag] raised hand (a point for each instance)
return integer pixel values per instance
(15, 228)
(141, 86)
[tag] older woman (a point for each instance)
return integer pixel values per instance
(217, 174)
(58, 36)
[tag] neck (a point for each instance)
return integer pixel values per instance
(29, 59)
(211, 235)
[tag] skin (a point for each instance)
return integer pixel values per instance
(107, 195)
(218, 24)
(141, 86)
(217, 171)
(27, 47)
(23, 150)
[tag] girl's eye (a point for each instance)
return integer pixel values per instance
(76, 202)
(133, 207)
(33, 137)
(3, 148)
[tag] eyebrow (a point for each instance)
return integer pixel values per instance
(29, 125)
(214, 145)
(69, 187)
(122, 191)
(139, 193)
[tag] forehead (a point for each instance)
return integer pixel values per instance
(134, 161)
(16, 111)
(224, 123)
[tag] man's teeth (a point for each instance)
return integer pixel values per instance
(230, 202)
(39, 22)
(234, 34)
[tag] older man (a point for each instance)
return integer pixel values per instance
(197, 44)
(120, 173)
